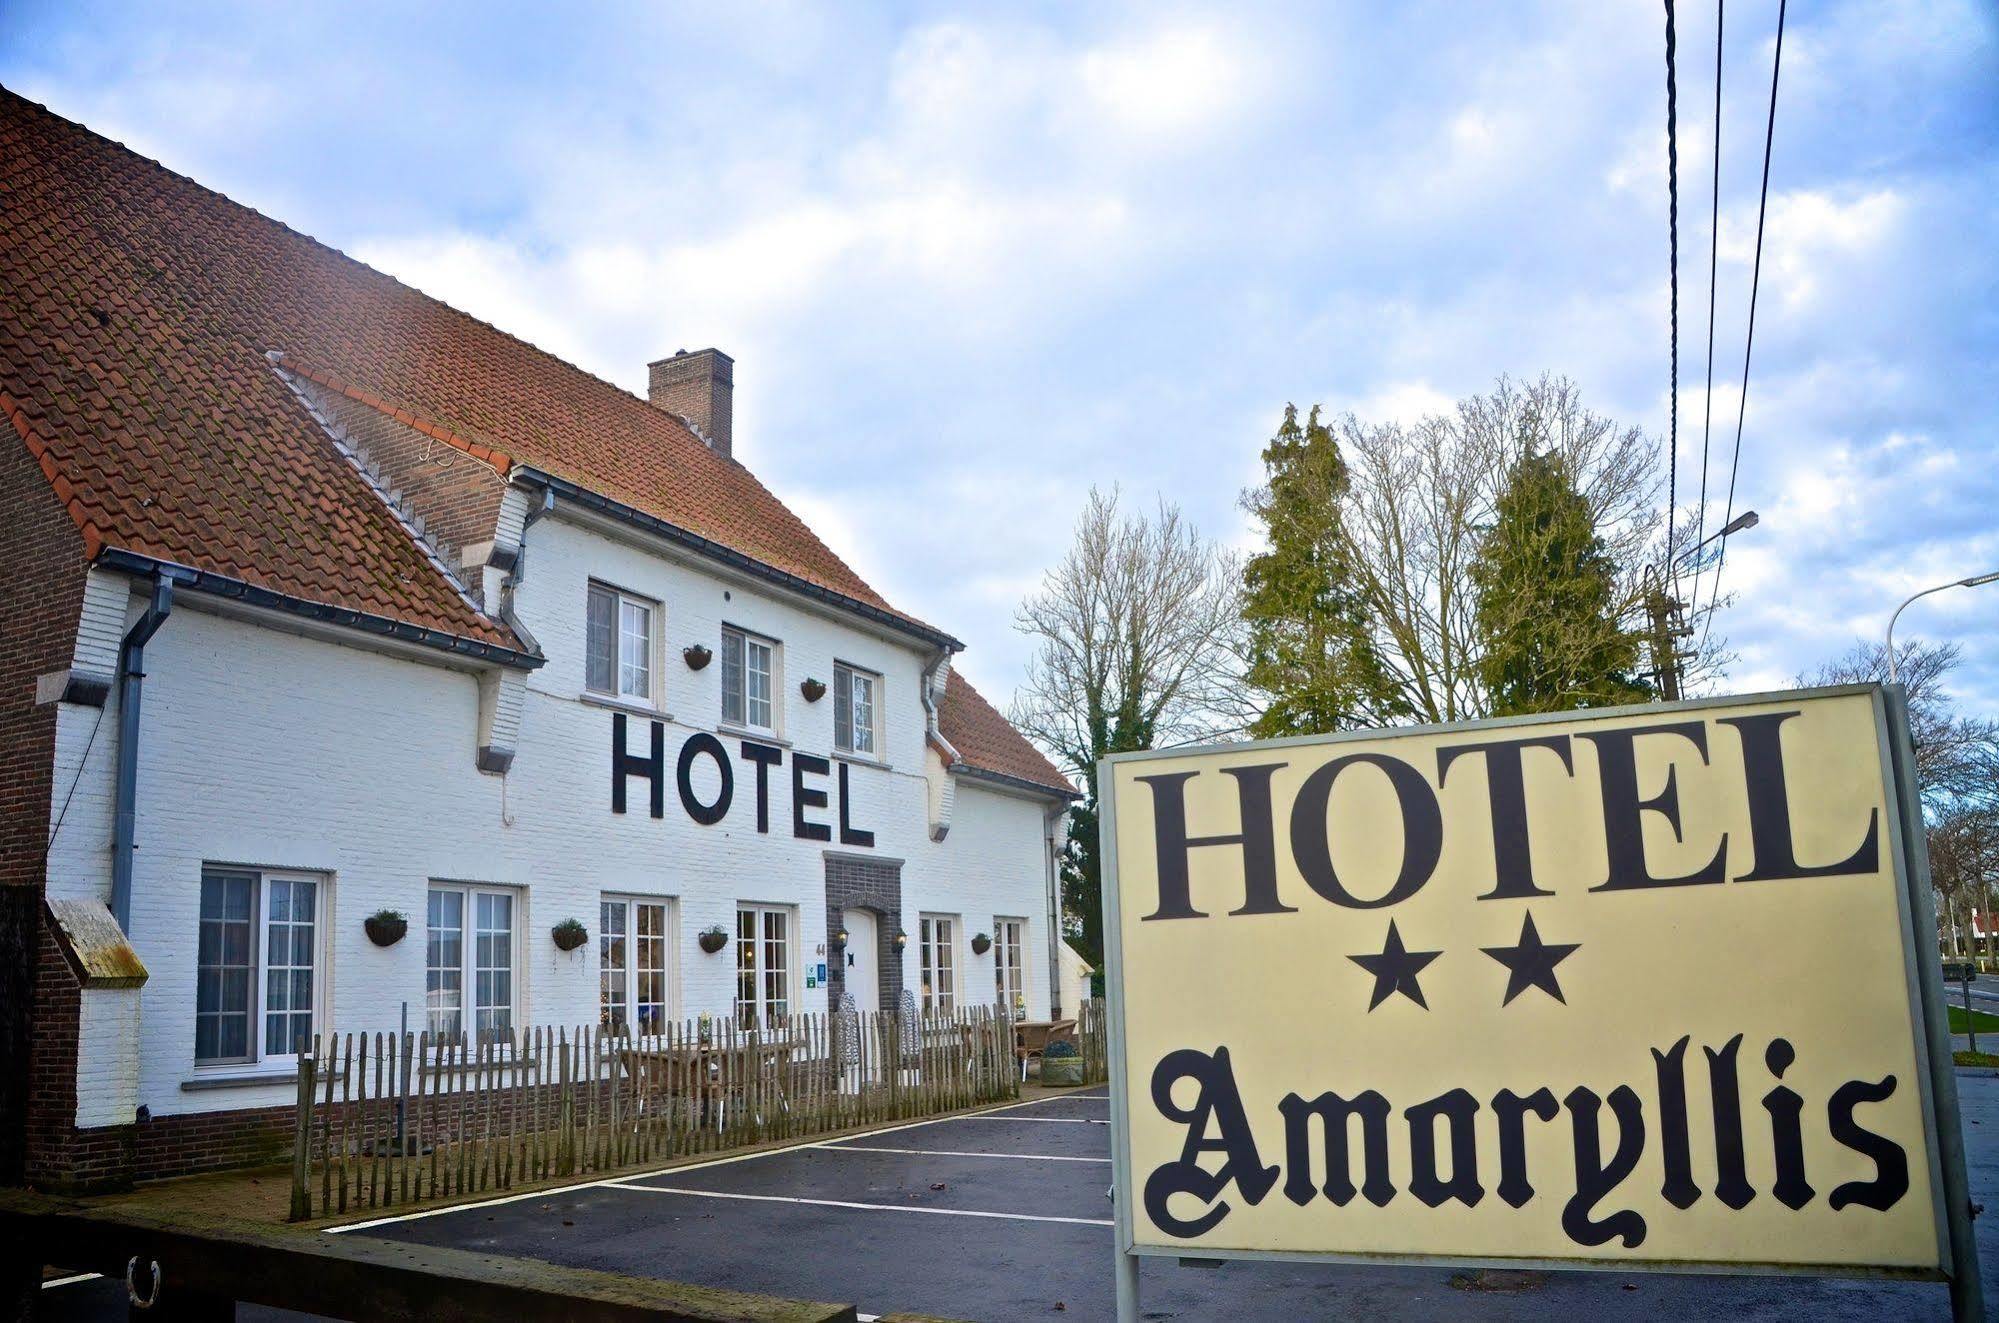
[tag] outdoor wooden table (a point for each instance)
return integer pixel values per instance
(699, 1070)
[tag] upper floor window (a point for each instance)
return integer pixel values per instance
(749, 678)
(617, 644)
(856, 709)
(256, 965)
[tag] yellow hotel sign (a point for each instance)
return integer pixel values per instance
(1643, 988)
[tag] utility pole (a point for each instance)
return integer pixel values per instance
(1663, 611)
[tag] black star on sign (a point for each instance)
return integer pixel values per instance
(1531, 964)
(1395, 970)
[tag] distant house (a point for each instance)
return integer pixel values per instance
(325, 599)
(1074, 978)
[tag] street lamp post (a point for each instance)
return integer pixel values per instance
(1974, 581)
(1662, 607)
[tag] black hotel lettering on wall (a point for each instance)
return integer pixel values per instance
(810, 799)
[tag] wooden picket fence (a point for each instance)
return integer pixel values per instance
(388, 1120)
(1093, 1041)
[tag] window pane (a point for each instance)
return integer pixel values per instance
(444, 972)
(649, 986)
(493, 989)
(757, 669)
(746, 968)
(288, 950)
(864, 714)
(732, 676)
(599, 647)
(843, 708)
(634, 649)
(611, 1004)
(1009, 967)
(223, 968)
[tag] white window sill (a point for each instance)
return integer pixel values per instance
(631, 705)
(246, 1076)
(752, 733)
(862, 759)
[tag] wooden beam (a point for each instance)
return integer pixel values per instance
(356, 1277)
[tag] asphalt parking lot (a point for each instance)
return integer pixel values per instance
(1003, 1216)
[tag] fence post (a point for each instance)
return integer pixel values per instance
(302, 1141)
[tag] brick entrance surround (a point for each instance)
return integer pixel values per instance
(859, 882)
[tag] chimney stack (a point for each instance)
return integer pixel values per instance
(700, 387)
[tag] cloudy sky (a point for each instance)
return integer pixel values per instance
(972, 261)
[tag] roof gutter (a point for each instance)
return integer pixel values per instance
(131, 688)
(221, 585)
(728, 555)
(1015, 782)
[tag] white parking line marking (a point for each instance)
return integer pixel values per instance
(551, 1192)
(1038, 1120)
(846, 1203)
(1060, 1097)
(954, 1153)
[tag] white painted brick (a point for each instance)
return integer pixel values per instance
(263, 747)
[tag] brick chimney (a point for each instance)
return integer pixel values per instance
(700, 387)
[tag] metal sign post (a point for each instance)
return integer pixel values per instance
(1637, 989)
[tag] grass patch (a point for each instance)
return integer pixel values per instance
(1984, 1022)
(1986, 1059)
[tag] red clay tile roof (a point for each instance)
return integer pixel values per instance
(138, 308)
(988, 742)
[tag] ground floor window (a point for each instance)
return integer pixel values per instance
(470, 944)
(763, 966)
(256, 965)
(635, 960)
(937, 950)
(1010, 964)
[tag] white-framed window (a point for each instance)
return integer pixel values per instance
(937, 950)
(1010, 964)
(617, 643)
(471, 953)
(635, 967)
(856, 710)
(257, 964)
(763, 965)
(749, 680)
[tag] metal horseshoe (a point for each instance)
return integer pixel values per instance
(132, 1286)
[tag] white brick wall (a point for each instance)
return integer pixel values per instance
(107, 1056)
(262, 747)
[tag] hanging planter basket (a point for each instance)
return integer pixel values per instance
(814, 690)
(981, 944)
(696, 655)
(713, 939)
(386, 927)
(569, 934)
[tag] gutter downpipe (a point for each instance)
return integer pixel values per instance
(1051, 821)
(930, 726)
(131, 686)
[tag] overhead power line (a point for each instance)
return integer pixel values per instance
(1749, 338)
(1713, 267)
(1673, 280)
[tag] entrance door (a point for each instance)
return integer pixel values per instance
(862, 958)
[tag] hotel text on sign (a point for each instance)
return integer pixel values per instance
(1633, 988)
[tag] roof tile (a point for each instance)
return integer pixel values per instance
(988, 742)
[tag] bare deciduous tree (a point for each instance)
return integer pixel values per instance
(1132, 635)
(1957, 756)
(1132, 632)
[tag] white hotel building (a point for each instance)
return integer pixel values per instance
(325, 599)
